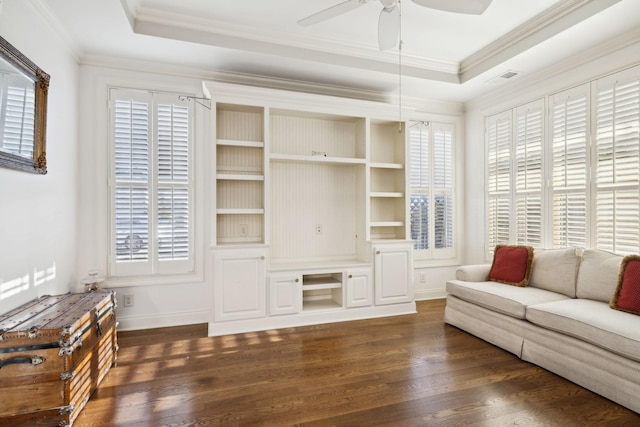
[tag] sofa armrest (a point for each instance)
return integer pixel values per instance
(473, 273)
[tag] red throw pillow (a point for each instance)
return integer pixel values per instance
(511, 265)
(627, 294)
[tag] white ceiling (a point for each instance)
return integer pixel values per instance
(445, 56)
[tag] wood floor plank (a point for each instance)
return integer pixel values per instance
(411, 370)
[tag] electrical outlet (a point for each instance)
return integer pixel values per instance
(318, 228)
(128, 300)
(423, 277)
(244, 229)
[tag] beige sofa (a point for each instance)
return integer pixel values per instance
(561, 321)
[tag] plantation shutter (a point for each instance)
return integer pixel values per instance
(570, 167)
(617, 155)
(151, 184)
(431, 185)
(443, 197)
(419, 182)
(529, 127)
(498, 179)
(173, 182)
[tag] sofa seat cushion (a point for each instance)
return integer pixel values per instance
(591, 321)
(501, 298)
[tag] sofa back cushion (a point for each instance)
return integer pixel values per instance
(598, 275)
(555, 270)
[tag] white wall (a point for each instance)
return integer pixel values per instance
(38, 212)
(608, 58)
(430, 283)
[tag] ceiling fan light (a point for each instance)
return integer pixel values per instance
(469, 7)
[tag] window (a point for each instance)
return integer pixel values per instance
(590, 179)
(617, 153)
(151, 184)
(515, 176)
(431, 190)
(528, 196)
(499, 179)
(570, 167)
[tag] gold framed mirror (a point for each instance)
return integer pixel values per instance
(23, 111)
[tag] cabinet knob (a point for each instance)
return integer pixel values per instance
(351, 276)
(377, 252)
(262, 258)
(297, 280)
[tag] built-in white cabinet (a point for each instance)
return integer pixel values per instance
(239, 290)
(358, 287)
(313, 181)
(285, 293)
(392, 272)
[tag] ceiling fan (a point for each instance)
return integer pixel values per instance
(389, 20)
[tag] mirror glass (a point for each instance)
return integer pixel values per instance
(17, 111)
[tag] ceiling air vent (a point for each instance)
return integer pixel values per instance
(503, 77)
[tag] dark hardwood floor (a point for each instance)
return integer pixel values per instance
(399, 371)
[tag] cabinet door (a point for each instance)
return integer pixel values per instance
(285, 294)
(393, 274)
(239, 285)
(359, 288)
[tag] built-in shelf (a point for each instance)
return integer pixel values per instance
(320, 304)
(387, 224)
(236, 176)
(315, 283)
(243, 242)
(240, 143)
(387, 165)
(240, 211)
(336, 264)
(316, 159)
(387, 194)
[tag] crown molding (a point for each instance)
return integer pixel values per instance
(205, 31)
(411, 104)
(545, 25)
(609, 57)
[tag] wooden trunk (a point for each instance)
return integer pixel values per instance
(54, 351)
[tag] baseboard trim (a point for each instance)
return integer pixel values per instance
(309, 318)
(430, 294)
(164, 320)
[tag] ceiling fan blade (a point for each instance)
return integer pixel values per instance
(389, 27)
(470, 7)
(331, 12)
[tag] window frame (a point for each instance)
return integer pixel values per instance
(433, 255)
(153, 270)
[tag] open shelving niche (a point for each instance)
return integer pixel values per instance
(388, 181)
(240, 174)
